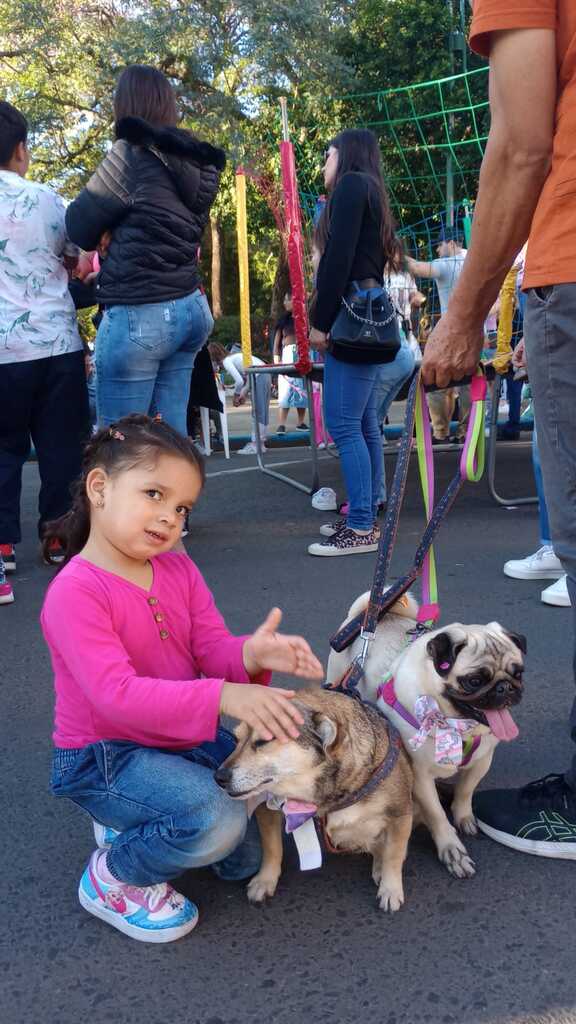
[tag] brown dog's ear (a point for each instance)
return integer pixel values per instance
(325, 729)
(519, 640)
(443, 651)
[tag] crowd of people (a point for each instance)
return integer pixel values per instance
(145, 666)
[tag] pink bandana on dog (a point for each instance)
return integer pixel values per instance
(448, 732)
(296, 812)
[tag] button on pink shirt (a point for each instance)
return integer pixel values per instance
(132, 664)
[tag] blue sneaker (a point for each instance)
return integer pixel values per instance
(104, 835)
(148, 913)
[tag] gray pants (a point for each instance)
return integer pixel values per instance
(550, 334)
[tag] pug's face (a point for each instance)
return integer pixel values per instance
(480, 672)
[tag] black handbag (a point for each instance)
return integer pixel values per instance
(366, 328)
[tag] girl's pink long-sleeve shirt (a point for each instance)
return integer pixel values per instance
(133, 664)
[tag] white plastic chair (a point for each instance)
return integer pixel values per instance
(205, 422)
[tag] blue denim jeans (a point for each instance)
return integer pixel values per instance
(390, 378)
(545, 536)
(169, 811)
(145, 355)
(351, 413)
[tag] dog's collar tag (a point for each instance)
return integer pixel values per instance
(308, 845)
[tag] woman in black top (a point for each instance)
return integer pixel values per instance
(146, 207)
(355, 236)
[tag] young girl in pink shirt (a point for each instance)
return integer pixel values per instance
(144, 667)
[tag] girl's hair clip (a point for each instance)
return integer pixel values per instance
(117, 435)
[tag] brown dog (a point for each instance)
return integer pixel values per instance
(341, 745)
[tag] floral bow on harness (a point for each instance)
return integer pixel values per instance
(448, 732)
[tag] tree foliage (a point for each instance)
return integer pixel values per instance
(230, 62)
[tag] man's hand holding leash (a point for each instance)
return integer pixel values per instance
(452, 351)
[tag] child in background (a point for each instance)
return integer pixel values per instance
(233, 363)
(291, 392)
(144, 667)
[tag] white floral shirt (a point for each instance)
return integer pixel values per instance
(37, 315)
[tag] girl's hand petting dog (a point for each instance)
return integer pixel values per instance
(268, 650)
(269, 712)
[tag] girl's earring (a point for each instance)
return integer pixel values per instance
(100, 502)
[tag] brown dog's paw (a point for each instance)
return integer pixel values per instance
(390, 898)
(261, 887)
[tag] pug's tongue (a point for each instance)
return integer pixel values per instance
(502, 724)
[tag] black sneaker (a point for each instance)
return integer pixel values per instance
(540, 818)
(507, 434)
(302, 426)
(280, 429)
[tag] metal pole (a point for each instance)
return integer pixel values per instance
(449, 160)
(492, 448)
(464, 46)
(284, 114)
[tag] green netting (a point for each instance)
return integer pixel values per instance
(432, 137)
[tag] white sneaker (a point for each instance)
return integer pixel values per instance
(557, 594)
(542, 565)
(325, 500)
(249, 449)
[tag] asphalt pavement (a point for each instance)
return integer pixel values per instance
(498, 948)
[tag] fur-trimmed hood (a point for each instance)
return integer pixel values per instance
(171, 141)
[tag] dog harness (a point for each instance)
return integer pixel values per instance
(453, 748)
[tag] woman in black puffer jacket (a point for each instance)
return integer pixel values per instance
(146, 207)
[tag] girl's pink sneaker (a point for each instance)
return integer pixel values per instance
(149, 913)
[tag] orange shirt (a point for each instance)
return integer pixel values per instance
(552, 249)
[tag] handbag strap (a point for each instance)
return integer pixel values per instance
(368, 320)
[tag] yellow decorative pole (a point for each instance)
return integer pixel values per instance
(242, 233)
(501, 362)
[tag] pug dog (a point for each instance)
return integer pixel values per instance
(341, 745)
(463, 680)
(392, 634)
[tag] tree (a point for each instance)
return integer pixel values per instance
(230, 62)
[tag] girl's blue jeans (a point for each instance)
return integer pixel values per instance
(145, 355)
(351, 413)
(169, 811)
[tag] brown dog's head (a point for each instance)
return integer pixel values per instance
(479, 670)
(291, 770)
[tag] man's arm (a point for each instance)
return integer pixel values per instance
(523, 84)
(421, 268)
